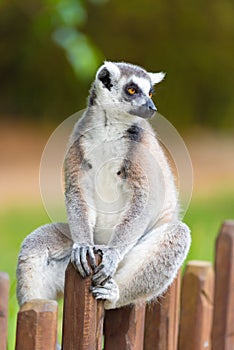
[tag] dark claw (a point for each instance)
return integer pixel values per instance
(99, 252)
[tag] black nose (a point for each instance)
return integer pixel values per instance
(151, 105)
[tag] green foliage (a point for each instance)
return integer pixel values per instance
(45, 57)
(50, 50)
(67, 17)
(77, 45)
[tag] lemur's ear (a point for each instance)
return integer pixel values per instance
(107, 73)
(156, 77)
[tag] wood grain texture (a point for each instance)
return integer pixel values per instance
(223, 323)
(162, 320)
(37, 326)
(174, 312)
(82, 314)
(99, 325)
(197, 306)
(124, 328)
(4, 292)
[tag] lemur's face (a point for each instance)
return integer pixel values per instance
(126, 89)
(138, 92)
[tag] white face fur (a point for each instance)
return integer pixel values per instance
(126, 89)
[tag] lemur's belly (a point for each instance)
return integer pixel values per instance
(111, 199)
(110, 193)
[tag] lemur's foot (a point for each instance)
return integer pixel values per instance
(79, 259)
(109, 292)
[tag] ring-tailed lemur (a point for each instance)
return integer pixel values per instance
(120, 197)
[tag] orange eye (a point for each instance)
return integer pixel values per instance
(131, 91)
(150, 94)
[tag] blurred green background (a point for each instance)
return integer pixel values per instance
(49, 51)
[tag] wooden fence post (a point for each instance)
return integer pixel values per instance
(162, 320)
(124, 328)
(196, 306)
(223, 323)
(37, 325)
(4, 292)
(82, 314)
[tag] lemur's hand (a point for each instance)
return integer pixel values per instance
(109, 263)
(79, 258)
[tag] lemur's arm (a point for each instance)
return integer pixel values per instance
(78, 211)
(129, 230)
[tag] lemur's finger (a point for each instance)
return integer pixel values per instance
(98, 268)
(100, 278)
(100, 294)
(108, 292)
(83, 260)
(75, 260)
(92, 258)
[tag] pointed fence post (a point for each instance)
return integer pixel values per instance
(196, 306)
(82, 314)
(162, 320)
(4, 295)
(124, 328)
(37, 325)
(223, 323)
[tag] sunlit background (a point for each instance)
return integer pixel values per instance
(49, 52)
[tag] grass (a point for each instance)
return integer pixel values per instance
(204, 217)
(16, 223)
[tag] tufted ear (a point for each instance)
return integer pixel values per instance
(156, 77)
(107, 73)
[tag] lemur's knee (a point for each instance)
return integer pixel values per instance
(141, 279)
(178, 241)
(42, 261)
(171, 253)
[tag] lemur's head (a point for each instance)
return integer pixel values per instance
(125, 88)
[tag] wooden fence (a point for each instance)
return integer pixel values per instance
(196, 314)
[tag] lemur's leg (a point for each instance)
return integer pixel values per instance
(43, 258)
(150, 267)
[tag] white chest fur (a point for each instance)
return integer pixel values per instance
(107, 193)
